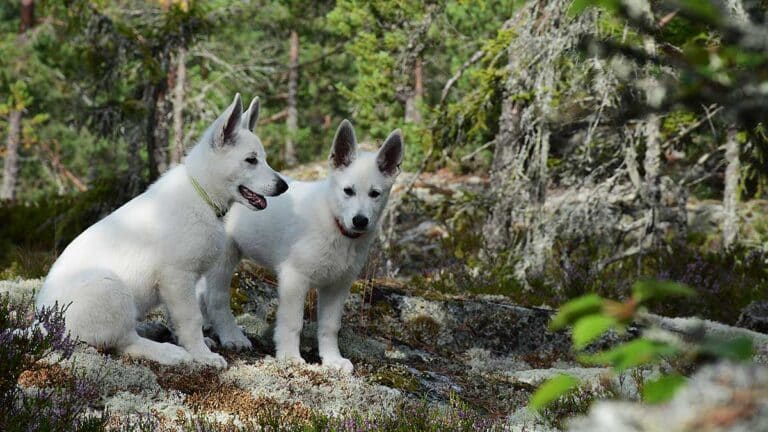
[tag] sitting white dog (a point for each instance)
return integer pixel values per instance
(317, 234)
(156, 247)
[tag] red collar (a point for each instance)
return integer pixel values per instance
(344, 232)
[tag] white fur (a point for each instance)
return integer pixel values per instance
(154, 249)
(298, 239)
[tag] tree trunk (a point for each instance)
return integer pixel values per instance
(652, 164)
(11, 163)
(11, 166)
(134, 135)
(733, 167)
(162, 131)
(155, 151)
(180, 78)
(27, 16)
(412, 114)
(291, 121)
(731, 193)
(499, 228)
(156, 129)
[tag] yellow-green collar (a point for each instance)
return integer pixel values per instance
(220, 212)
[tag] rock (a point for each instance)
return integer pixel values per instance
(722, 397)
(705, 216)
(484, 361)
(701, 327)
(425, 232)
(329, 391)
(594, 380)
(525, 420)
(754, 317)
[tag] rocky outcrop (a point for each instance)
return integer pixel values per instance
(482, 350)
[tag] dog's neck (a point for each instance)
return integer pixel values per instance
(197, 165)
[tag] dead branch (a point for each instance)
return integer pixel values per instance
(274, 117)
(693, 127)
(449, 84)
(487, 145)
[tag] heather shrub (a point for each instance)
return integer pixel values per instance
(52, 404)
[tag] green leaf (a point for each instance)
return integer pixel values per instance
(739, 349)
(631, 354)
(652, 289)
(551, 390)
(663, 388)
(573, 310)
(590, 327)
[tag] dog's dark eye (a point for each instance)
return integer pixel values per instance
(374, 193)
(349, 191)
(252, 160)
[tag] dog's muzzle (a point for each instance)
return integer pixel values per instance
(345, 232)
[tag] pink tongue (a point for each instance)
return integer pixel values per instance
(255, 199)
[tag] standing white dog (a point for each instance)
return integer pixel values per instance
(158, 245)
(317, 234)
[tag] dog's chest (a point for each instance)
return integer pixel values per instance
(202, 244)
(326, 262)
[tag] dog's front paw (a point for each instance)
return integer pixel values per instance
(235, 341)
(174, 355)
(338, 363)
(211, 359)
(290, 357)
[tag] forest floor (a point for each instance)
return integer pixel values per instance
(444, 352)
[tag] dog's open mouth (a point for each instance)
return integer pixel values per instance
(253, 198)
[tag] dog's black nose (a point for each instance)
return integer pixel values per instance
(360, 222)
(280, 186)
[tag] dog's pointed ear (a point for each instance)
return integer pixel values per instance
(391, 154)
(344, 148)
(225, 127)
(251, 115)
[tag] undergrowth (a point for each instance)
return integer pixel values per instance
(49, 404)
(725, 281)
(31, 233)
(413, 417)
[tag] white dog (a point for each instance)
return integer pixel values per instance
(157, 246)
(317, 234)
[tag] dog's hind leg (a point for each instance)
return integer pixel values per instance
(215, 301)
(100, 310)
(165, 353)
(292, 290)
